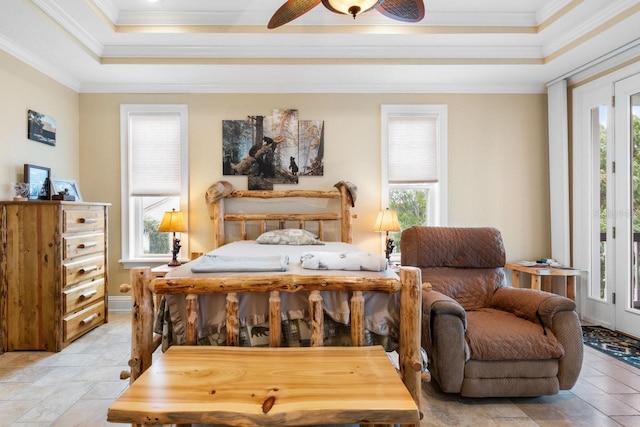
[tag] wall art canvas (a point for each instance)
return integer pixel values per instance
(41, 128)
(311, 148)
(267, 149)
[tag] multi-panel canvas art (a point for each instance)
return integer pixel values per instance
(274, 149)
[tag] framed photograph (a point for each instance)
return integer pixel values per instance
(41, 128)
(67, 186)
(39, 180)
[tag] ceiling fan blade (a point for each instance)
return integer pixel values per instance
(402, 10)
(291, 10)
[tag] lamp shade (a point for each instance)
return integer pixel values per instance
(351, 7)
(172, 222)
(387, 220)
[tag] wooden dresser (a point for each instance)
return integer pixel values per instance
(53, 272)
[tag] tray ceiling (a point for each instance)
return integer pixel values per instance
(170, 46)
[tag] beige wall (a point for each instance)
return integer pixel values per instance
(497, 169)
(498, 164)
(21, 89)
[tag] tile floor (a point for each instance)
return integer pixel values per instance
(76, 386)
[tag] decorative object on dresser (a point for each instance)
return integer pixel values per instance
(53, 272)
(39, 180)
(387, 221)
(173, 222)
(20, 191)
(66, 189)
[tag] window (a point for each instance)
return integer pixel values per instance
(154, 178)
(414, 153)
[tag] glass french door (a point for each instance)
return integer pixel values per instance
(627, 205)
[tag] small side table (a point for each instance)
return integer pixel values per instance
(541, 277)
(161, 270)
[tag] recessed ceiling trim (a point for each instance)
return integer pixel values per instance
(71, 26)
(604, 26)
(315, 88)
(107, 8)
(414, 51)
(320, 61)
(321, 29)
(205, 18)
(552, 17)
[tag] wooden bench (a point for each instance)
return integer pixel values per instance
(268, 387)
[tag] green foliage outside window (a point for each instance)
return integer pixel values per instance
(635, 186)
(158, 242)
(411, 207)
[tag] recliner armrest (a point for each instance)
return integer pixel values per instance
(531, 304)
(435, 303)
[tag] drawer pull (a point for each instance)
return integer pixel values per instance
(87, 269)
(88, 220)
(87, 245)
(89, 319)
(87, 295)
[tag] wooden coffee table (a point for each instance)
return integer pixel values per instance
(267, 387)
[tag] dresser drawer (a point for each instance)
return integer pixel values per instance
(83, 295)
(83, 269)
(85, 244)
(80, 322)
(83, 218)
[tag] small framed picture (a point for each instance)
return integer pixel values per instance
(39, 180)
(67, 186)
(41, 128)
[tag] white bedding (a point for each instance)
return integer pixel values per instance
(381, 308)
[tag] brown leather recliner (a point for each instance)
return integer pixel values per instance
(482, 337)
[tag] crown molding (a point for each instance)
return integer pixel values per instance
(38, 64)
(53, 10)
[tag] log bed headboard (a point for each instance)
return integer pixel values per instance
(222, 190)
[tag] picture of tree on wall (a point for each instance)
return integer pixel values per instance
(274, 149)
(41, 128)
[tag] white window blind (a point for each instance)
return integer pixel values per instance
(413, 149)
(155, 154)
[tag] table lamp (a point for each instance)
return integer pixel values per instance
(173, 222)
(387, 221)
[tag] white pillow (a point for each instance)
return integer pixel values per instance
(288, 236)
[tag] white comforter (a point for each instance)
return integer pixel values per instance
(382, 309)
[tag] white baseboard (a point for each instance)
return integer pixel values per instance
(120, 303)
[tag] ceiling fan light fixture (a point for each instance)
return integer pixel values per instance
(351, 7)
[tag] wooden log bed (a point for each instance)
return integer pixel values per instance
(141, 410)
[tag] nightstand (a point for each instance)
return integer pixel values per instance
(161, 270)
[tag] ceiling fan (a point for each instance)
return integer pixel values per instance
(400, 10)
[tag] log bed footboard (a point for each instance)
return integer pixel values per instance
(409, 286)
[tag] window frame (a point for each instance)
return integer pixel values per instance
(436, 192)
(129, 208)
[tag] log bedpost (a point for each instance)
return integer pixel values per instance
(217, 218)
(275, 325)
(191, 331)
(357, 319)
(410, 358)
(141, 323)
(232, 319)
(345, 211)
(316, 318)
